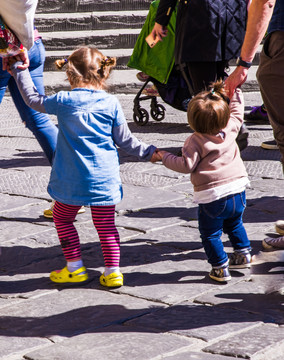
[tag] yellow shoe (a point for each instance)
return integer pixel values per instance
(65, 276)
(48, 213)
(112, 280)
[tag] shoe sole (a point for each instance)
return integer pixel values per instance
(72, 284)
(269, 147)
(220, 279)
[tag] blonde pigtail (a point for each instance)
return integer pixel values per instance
(60, 63)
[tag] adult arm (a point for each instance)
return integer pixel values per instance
(27, 89)
(259, 15)
(128, 142)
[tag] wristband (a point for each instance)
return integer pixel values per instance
(241, 62)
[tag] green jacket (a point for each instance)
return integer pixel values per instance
(158, 61)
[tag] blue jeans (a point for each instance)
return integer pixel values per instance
(222, 215)
(40, 124)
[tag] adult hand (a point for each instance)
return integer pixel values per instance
(22, 56)
(159, 31)
(236, 78)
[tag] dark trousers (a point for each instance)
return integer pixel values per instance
(204, 73)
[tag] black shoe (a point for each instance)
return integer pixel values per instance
(242, 138)
(269, 145)
(257, 114)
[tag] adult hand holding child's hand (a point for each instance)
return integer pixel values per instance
(10, 60)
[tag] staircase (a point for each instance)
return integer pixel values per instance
(110, 25)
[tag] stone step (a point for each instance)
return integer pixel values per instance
(90, 21)
(76, 6)
(102, 39)
(125, 81)
(122, 57)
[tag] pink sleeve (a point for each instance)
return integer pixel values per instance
(184, 164)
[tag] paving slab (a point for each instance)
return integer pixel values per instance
(262, 342)
(210, 324)
(109, 345)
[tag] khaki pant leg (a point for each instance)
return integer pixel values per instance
(270, 76)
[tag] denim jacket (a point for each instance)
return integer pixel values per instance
(277, 20)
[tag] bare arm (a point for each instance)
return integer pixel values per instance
(259, 15)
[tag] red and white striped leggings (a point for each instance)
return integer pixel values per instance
(104, 220)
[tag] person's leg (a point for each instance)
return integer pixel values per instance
(233, 226)
(211, 228)
(4, 80)
(40, 124)
(64, 216)
(270, 76)
(210, 219)
(104, 221)
(204, 73)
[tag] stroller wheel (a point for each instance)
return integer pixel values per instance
(158, 112)
(141, 117)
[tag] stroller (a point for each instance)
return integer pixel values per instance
(171, 81)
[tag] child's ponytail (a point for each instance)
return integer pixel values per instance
(107, 63)
(218, 89)
(59, 63)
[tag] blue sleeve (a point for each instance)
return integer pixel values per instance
(36, 101)
(119, 114)
(128, 142)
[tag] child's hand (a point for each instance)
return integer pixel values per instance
(155, 157)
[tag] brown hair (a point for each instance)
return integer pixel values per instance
(208, 112)
(87, 65)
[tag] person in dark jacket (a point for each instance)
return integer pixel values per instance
(209, 33)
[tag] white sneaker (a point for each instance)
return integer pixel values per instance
(270, 244)
(279, 227)
(48, 213)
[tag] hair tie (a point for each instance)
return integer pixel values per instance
(66, 61)
(212, 91)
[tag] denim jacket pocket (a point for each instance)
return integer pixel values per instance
(215, 208)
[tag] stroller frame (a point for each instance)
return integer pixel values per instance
(141, 115)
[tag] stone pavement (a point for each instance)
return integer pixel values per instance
(168, 308)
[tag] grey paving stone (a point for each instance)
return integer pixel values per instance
(183, 237)
(202, 322)
(23, 183)
(108, 345)
(16, 346)
(257, 343)
(185, 273)
(136, 198)
(196, 356)
(9, 202)
(56, 317)
(253, 296)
